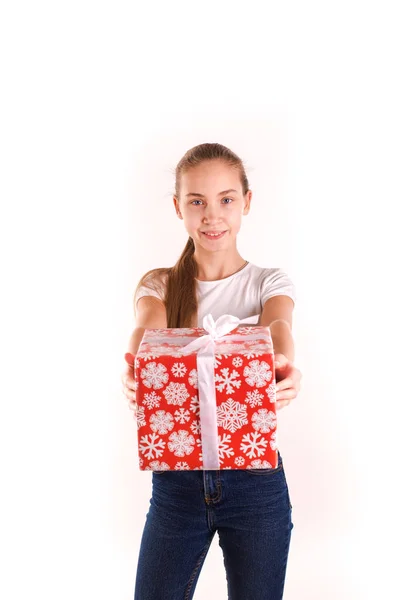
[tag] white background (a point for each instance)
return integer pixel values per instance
(99, 102)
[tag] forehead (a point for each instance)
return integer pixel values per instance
(211, 176)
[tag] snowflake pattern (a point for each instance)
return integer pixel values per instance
(150, 446)
(237, 361)
(264, 420)
(193, 380)
(271, 392)
(223, 446)
(154, 375)
(179, 369)
(228, 380)
(196, 427)
(218, 360)
(241, 371)
(149, 356)
(182, 416)
(156, 465)
(231, 415)
(257, 373)
(151, 400)
(161, 422)
(182, 466)
(259, 464)
(252, 353)
(140, 418)
(254, 398)
(251, 444)
(195, 405)
(181, 443)
(176, 393)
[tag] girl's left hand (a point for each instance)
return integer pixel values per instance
(287, 380)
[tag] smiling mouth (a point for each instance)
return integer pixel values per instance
(213, 236)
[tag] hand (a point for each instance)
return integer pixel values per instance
(129, 384)
(287, 380)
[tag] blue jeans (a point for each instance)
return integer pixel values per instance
(250, 509)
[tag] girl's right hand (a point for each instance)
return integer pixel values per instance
(129, 384)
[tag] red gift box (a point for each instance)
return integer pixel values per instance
(206, 397)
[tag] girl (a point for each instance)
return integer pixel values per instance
(250, 509)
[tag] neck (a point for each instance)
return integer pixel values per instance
(219, 267)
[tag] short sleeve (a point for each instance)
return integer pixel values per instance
(146, 291)
(155, 289)
(276, 282)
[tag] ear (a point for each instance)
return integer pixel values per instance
(247, 202)
(176, 204)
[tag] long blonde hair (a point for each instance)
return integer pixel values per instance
(179, 281)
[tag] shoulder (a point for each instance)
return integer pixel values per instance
(274, 281)
(152, 283)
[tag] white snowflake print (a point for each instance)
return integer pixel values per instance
(231, 415)
(257, 373)
(218, 360)
(271, 391)
(154, 375)
(161, 422)
(181, 443)
(237, 362)
(182, 416)
(195, 405)
(193, 378)
(272, 441)
(149, 356)
(196, 427)
(252, 353)
(223, 446)
(140, 461)
(151, 400)
(254, 398)
(140, 420)
(259, 464)
(179, 369)
(264, 420)
(176, 393)
(182, 466)
(251, 444)
(239, 461)
(156, 465)
(150, 444)
(228, 380)
(200, 445)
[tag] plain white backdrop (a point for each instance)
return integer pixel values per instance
(99, 103)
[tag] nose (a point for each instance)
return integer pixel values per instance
(212, 213)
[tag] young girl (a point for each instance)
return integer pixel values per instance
(249, 508)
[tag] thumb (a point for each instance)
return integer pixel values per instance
(130, 359)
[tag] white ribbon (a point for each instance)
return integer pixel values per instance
(217, 330)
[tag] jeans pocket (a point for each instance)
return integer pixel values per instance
(265, 471)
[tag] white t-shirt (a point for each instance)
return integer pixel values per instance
(242, 294)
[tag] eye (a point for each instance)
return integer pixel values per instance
(231, 199)
(196, 201)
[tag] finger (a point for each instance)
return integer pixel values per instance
(281, 360)
(288, 394)
(282, 404)
(130, 359)
(284, 384)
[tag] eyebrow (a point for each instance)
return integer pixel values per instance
(202, 195)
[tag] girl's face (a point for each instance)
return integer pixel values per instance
(212, 201)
